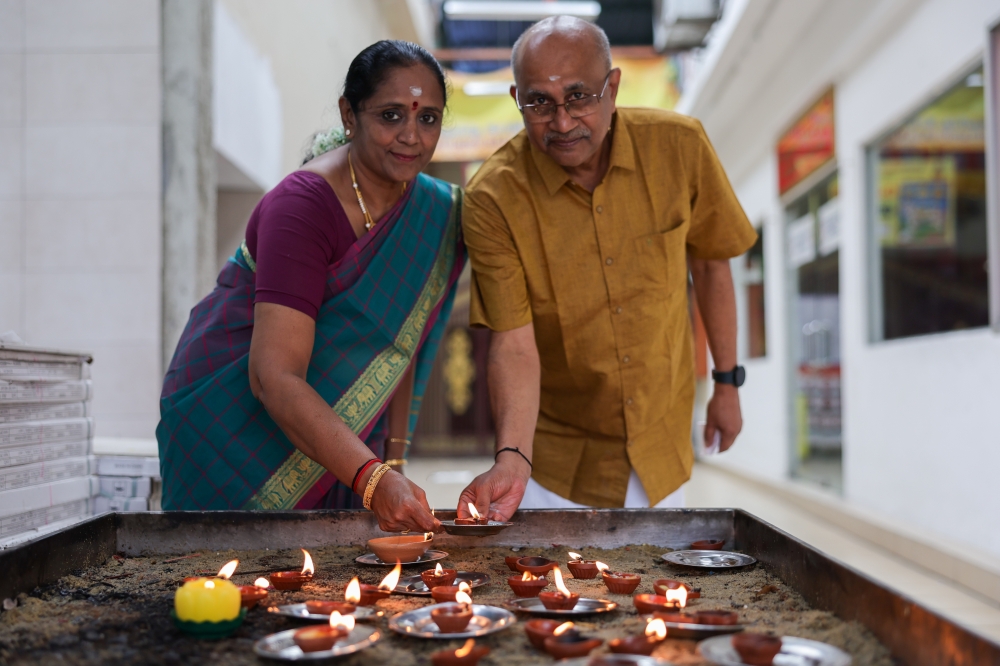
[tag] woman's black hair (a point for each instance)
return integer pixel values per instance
(370, 67)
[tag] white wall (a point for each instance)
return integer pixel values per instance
(921, 423)
(80, 192)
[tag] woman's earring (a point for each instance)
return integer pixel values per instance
(347, 132)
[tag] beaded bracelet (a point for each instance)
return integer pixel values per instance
(372, 483)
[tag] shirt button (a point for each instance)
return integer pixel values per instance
(600, 209)
(618, 310)
(626, 359)
(629, 401)
(609, 261)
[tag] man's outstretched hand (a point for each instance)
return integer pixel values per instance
(497, 492)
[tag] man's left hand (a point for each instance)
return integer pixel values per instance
(723, 416)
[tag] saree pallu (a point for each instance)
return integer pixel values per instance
(392, 295)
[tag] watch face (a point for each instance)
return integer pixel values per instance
(739, 375)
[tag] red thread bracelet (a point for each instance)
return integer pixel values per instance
(361, 471)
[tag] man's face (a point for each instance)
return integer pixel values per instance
(557, 71)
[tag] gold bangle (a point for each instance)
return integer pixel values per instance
(396, 461)
(372, 482)
(398, 440)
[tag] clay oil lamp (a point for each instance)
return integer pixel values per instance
(251, 595)
(527, 584)
(756, 649)
(656, 631)
(581, 568)
(467, 655)
(708, 544)
(536, 565)
(403, 548)
(322, 637)
(438, 576)
(369, 594)
(618, 582)
(475, 517)
(567, 642)
(538, 630)
(294, 580)
(327, 607)
(676, 617)
(717, 617)
(446, 593)
(511, 561)
(453, 618)
(663, 584)
(562, 598)
(673, 600)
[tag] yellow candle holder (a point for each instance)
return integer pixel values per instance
(208, 608)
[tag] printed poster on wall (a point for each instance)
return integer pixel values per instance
(917, 202)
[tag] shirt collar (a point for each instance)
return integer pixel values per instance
(622, 155)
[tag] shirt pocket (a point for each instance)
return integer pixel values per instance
(662, 261)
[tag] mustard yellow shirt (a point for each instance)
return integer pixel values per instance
(603, 277)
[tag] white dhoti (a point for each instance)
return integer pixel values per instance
(537, 497)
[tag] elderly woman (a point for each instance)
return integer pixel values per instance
(297, 381)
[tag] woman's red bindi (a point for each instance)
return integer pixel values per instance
(414, 105)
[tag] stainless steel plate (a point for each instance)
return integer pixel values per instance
(584, 606)
(615, 660)
(474, 530)
(485, 620)
(709, 559)
(300, 612)
(697, 631)
(794, 652)
(430, 556)
(282, 647)
(414, 585)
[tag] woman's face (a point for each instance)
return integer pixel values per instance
(396, 131)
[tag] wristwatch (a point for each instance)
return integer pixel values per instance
(736, 376)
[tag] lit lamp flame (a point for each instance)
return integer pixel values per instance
(465, 649)
(574, 556)
(602, 567)
(428, 536)
(678, 597)
(528, 576)
(562, 628)
(656, 628)
(338, 620)
(353, 593)
(392, 578)
(464, 587)
(262, 583)
(557, 573)
(438, 571)
(307, 567)
(209, 584)
(463, 598)
(228, 570)
(472, 510)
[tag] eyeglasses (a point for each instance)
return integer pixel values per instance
(543, 112)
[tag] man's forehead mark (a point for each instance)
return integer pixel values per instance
(570, 87)
(554, 77)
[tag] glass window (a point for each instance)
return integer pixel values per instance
(929, 219)
(753, 280)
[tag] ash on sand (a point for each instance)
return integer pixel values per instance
(120, 612)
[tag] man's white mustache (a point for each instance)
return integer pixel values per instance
(571, 136)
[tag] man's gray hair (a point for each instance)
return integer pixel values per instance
(569, 25)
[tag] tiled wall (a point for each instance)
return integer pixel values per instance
(80, 176)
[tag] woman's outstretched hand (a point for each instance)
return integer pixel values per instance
(400, 505)
(497, 492)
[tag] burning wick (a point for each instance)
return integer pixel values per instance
(352, 594)
(602, 567)
(473, 512)
(464, 587)
(563, 590)
(677, 598)
(228, 570)
(346, 621)
(428, 536)
(209, 584)
(463, 598)
(575, 556)
(438, 571)
(262, 583)
(466, 649)
(529, 576)
(656, 629)
(307, 566)
(389, 583)
(562, 628)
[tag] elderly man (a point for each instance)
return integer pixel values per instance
(581, 232)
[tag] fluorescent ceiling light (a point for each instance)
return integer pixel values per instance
(486, 88)
(518, 10)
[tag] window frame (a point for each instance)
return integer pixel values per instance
(991, 93)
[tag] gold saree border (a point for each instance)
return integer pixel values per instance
(363, 400)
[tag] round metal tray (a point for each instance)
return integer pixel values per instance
(794, 652)
(492, 527)
(615, 660)
(709, 559)
(697, 631)
(415, 586)
(300, 612)
(534, 606)
(485, 620)
(430, 556)
(282, 647)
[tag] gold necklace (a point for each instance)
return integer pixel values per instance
(369, 223)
